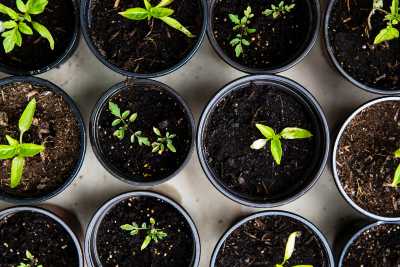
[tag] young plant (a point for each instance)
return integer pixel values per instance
(242, 26)
(163, 143)
(276, 145)
(396, 178)
(17, 150)
(152, 233)
(280, 10)
(392, 18)
(160, 11)
(18, 24)
(30, 261)
(290, 249)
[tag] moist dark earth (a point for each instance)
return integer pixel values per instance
(44, 238)
(262, 242)
(353, 44)
(253, 174)
(118, 248)
(143, 46)
(35, 53)
(276, 42)
(378, 246)
(54, 125)
(155, 107)
(365, 161)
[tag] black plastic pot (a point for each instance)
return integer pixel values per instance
(60, 60)
(311, 226)
(93, 132)
(86, 18)
(334, 152)
(299, 56)
(310, 104)
(52, 216)
(91, 255)
(82, 150)
(338, 67)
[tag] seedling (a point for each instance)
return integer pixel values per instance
(276, 145)
(17, 150)
(160, 11)
(18, 24)
(242, 26)
(290, 249)
(396, 178)
(392, 18)
(30, 261)
(280, 10)
(163, 143)
(152, 233)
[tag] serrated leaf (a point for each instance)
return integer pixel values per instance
(17, 169)
(136, 13)
(30, 150)
(266, 131)
(114, 109)
(24, 28)
(44, 32)
(8, 151)
(177, 25)
(276, 150)
(386, 34)
(258, 144)
(26, 118)
(234, 18)
(160, 12)
(295, 133)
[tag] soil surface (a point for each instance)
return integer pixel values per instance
(276, 42)
(262, 242)
(143, 46)
(117, 247)
(35, 53)
(353, 44)
(155, 107)
(54, 125)
(365, 161)
(44, 238)
(253, 174)
(378, 246)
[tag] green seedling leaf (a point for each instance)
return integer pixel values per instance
(21, 6)
(386, 34)
(258, 144)
(133, 117)
(147, 4)
(136, 13)
(11, 141)
(8, 151)
(24, 28)
(160, 12)
(396, 178)
(171, 147)
(156, 131)
(17, 169)
(127, 227)
(36, 7)
(120, 134)
(295, 133)
(146, 242)
(30, 150)
(8, 11)
(397, 153)
(278, 11)
(177, 25)
(276, 150)
(267, 131)
(9, 24)
(29, 255)
(116, 122)
(9, 41)
(25, 121)
(114, 109)
(164, 3)
(290, 246)
(44, 32)
(234, 18)
(126, 114)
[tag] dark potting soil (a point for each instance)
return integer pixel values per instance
(276, 42)
(353, 44)
(43, 237)
(365, 161)
(54, 125)
(155, 107)
(143, 46)
(253, 174)
(118, 248)
(378, 246)
(262, 242)
(35, 53)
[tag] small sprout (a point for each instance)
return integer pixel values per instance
(280, 10)
(289, 249)
(152, 233)
(241, 25)
(142, 140)
(163, 143)
(17, 150)
(30, 261)
(392, 18)
(276, 145)
(13, 29)
(159, 11)
(396, 178)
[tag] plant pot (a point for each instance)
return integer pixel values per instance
(275, 46)
(371, 67)
(147, 48)
(373, 245)
(364, 144)
(35, 55)
(156, 105)
(57, 124)
(261, 238)
(252, 177)
(46, 236)
(107, 244)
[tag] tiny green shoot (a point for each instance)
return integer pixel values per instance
(17, 150)
(30, 261)
(289, 249)
(164, 143)
(396, 178)
(152, 233)
(242, 26)
(278, 11)
(275, 139)
(160, 11)
(392, 18)
(19, 23)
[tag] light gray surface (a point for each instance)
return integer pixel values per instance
(85, 79)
